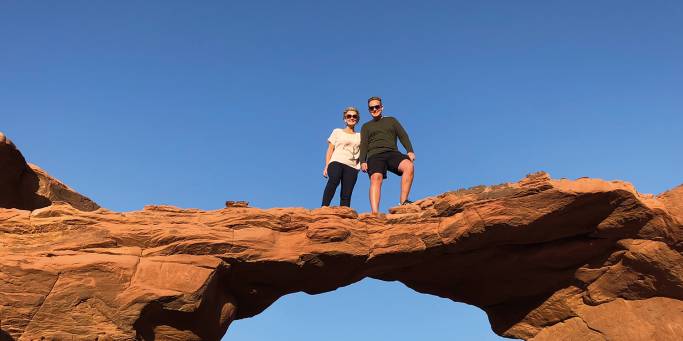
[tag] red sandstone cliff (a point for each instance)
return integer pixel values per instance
(28, 187)
(546, 259)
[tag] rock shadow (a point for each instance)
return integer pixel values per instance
(19, 184)
(4, 336)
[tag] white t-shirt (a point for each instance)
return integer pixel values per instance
(346, 147)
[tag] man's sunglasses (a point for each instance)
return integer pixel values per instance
(351, 116)
(375, 107)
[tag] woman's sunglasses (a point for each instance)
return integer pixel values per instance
(351, 116)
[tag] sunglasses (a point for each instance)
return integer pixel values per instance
(375, 108)
(351, 116)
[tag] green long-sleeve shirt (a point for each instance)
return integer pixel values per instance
(379, 136)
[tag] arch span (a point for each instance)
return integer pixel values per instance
(544, 258)
(367, 310)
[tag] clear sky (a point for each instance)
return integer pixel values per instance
(194, 103)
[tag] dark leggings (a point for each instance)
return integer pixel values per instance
(337, 172)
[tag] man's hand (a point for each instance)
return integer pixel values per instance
(364, 167)
(411, 155)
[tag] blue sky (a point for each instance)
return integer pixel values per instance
(191, 104)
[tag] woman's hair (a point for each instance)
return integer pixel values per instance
(347, 109)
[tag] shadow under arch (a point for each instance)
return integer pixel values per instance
(367, 310)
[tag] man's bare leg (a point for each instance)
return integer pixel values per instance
(375, 191)
(408, 172)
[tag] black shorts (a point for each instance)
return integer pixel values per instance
(388, 160)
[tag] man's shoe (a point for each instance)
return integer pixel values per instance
(407, 202)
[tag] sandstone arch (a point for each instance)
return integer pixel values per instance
(546, 259)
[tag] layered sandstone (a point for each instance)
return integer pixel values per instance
(546, 259)
(28, 187)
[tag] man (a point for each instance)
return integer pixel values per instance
(379, 153)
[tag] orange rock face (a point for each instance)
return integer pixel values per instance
(546, 259)
(28, 187)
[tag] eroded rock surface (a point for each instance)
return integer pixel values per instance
(28, 187)
(546, 259)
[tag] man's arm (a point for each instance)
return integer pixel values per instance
(363, 148)
(402, 136)
(363, 144)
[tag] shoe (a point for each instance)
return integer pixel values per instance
(407, 202)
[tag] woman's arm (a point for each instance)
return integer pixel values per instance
(328, 155)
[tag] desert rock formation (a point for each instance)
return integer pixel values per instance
(546, 259)
(28, 187)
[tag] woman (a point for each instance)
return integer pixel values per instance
(341, 159)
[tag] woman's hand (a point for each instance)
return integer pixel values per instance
(364, 167)
(328, 156)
